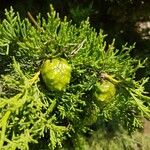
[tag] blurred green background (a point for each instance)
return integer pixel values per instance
(128, 21)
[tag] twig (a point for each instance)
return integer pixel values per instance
(75, 51)
(108, 77)
(33, 20)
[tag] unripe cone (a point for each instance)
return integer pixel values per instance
(104, 91)
(56, 74)
(92, 115)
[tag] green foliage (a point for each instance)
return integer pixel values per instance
(29, 112)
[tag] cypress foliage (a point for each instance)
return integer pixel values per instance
(33, 116)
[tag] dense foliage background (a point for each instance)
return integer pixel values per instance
(126, 21)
